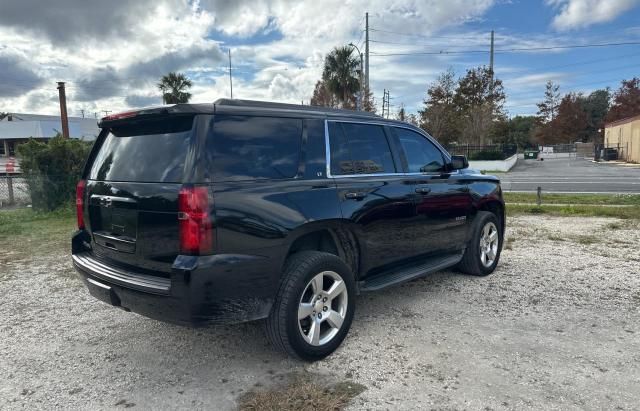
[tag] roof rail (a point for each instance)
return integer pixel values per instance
(286, 106)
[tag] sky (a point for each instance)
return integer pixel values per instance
(111, 53)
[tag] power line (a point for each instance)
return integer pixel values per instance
(513, 50)
(410, 44)
(423, 35)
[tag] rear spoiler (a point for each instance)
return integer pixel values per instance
(113, 119)
(146, 113)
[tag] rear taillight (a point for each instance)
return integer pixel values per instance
(80, 202)
(196, 230)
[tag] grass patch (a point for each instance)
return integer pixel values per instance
(25, 231)
(577, 210)
(586, 199)
(554, 237)
(302, 392)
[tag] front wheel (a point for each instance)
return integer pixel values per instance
(483, 251)
(314, 307)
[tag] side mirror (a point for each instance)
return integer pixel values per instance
(459, 162)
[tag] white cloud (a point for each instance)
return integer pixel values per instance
(575, 14)
(111, 56)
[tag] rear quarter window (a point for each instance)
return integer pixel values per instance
(149, 151)
(249, 148)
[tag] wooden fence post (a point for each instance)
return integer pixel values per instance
(10, 187)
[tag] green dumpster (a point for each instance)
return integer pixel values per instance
(530, 155)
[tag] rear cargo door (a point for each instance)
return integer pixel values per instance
(133, 184)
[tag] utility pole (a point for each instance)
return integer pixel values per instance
(63, 109)
(106, 112)
(230, 79)
(491, 60)
(384, 100)
(366, 55)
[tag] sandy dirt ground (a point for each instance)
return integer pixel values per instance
(557, 326)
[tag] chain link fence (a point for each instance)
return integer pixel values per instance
(43, 191)
(14, 190)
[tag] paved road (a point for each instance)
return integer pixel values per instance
(571, 175)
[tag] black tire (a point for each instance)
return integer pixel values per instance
(471, 262)
(282, 325)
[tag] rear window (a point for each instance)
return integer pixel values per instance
(151, 151)
(248, 148)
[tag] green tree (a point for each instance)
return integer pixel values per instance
(174, 88)
(572, 122)
(369, 102)
(52, 170)
(548, 108)
(438, 116)
(402, 113)
(479, 101)
(626, 100)
(517, 130)
(340, 75)
(322, 97)
(547, 111)
(597, 106)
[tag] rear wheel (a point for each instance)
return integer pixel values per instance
(314, 307)
(483, 251)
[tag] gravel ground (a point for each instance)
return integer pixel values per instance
(557, 326)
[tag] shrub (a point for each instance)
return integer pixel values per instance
(52, 170)
(487, 155)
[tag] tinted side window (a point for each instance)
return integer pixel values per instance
(341, 161)
(150, 151)
(422, 155)
(246, 148)
(367, 147)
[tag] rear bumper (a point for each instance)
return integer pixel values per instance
(218, 289)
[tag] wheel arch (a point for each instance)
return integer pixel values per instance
(334, 237)
(496, 207)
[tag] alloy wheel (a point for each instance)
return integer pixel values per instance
(489, 240)
(322, 308)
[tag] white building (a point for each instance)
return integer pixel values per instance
(18, 128)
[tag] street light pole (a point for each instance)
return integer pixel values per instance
(361, 92)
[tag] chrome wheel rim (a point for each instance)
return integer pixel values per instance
(322, 308)
(489, 240)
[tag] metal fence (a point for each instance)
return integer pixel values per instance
(483, 152)
(14, 191)
(562, 148)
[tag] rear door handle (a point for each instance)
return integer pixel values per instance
(423, 190)
(355, 195)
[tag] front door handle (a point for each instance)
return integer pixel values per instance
(355, 195)
(423, 190)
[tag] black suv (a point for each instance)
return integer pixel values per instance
(242, 210)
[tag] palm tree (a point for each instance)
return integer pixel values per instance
(174, 88)
(340, 74)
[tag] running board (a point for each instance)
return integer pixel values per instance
(389, 278)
